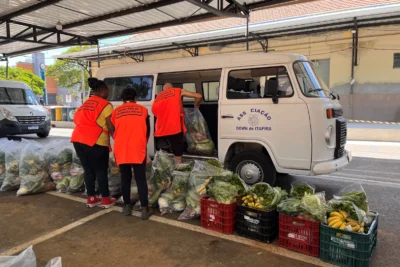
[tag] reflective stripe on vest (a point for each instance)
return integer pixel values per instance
(87, 131)
(168, 110)
(130, 137)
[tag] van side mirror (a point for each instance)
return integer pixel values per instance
(272, 90)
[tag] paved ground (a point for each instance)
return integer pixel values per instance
(164, 241)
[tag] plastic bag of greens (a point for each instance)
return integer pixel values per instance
(161, 176)
(350, 208)
(77, 180)
(268, 197)
(58, 153)
(174, 200)
(201, 175)
(33, 171)
(197, 136)
(315, 205)
(114, 176)
(240, 185)
(134, 188)
(299, 189)
(290, 207)
(354, 193)
(13, 149)
(3, 142)
(223, 192)
(184, 167)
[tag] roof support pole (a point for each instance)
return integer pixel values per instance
(7, 68)
(247, 34)
(98, 54)
(354, 63)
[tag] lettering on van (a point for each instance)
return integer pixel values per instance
(254, 118)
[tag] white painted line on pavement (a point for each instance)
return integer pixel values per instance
(366, 171)
(57, 232)
(342, 178)
(266, 247)
(368, 178)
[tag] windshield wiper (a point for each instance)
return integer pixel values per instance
(320, 90)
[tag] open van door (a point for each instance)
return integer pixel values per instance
(259, 106)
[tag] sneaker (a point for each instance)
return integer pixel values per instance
(146, 213)
(107, 202)
(127, 209)
(93, 201)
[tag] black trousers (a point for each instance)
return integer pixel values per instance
(94, 160)
(140, 177)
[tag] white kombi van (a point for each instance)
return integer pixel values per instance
(20, 111)
(267, 113)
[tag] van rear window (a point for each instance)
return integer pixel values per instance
(142, 84)
(17, 96)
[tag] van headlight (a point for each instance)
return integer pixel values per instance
(48, 116)
(330, 136)
(6, 114)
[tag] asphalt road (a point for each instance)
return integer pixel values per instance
(375, 165)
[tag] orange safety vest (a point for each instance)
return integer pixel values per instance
(168, 109)
(130, 137)
(87, 131)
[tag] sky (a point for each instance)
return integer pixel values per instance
(48, 54)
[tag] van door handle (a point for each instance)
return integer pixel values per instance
(227, 116)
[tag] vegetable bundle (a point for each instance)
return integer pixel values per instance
(76, 182)
(266, 196)
(114, 176)
(197, 136)
(161, 177)
(354, 193)
(315, 205)
(174, 199)
(33, 171)
(299, 190)
(3, 141)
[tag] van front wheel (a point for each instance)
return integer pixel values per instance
(43, 134)
(253, 168)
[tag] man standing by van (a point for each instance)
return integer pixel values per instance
(168, 109)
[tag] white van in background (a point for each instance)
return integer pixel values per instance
(20, 111)
(267, 113)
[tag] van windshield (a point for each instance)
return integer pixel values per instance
(310, 82)
(17, 96)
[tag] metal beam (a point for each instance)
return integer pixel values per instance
(29, 9)
(220, 11)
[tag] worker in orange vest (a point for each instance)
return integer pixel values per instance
(170, 124)
(91, 139)
(132, 132)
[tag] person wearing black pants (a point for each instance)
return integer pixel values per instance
(132, 132)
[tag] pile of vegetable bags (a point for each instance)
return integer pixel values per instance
(33, 171)
(3, 141)
(304, 203)
(77, 179)
(58, 154)
(12, 151)
(114, 176)
(197, 136)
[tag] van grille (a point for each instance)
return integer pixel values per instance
(341, 137)
(31, 119)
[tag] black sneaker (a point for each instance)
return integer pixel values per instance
(127, 210)
(146, 213)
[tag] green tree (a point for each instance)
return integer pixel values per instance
(68, 74)
(25, 76)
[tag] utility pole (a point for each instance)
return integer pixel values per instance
(83, 82)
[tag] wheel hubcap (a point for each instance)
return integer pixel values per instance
(250, 172)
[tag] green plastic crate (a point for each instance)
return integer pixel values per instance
(346, 248)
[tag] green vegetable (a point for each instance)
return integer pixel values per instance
(352, 210)
(214, 162)
(184, 167)
(290, 207)
(197, 136)
(76, 183)
(300, 191)
(269, 197)
(239, 184)
(315, 205)
(358, 198)
(223, 192)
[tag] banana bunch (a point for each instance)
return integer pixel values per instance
(340, 220)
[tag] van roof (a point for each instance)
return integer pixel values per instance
(13, 84)
(229, 60)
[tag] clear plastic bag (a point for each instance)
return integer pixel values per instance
(184, 167)
(174, 200)
(269, 197)
(161, 176)
(201, 175)
(3, 146)
(350, 208)
(198, 136)
(59, 156)
(77, 181)
(222, 192)
(33, 171)
(26, 258)
(13, 150)
(299, 189)
(114, 176)
(354, 193)
(56, 262)
(315, 205)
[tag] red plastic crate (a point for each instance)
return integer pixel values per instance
(216, 216)
(299, 234)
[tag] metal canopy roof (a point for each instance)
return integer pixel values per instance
(31, 25)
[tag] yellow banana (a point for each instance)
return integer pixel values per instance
(335, 214)
(356, 228)
(330, 219)
(343, 226)
(353, 224)
(361, 230)
(337, 225)
(344, 214)
(332, 223)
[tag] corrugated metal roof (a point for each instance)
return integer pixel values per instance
(91, 20)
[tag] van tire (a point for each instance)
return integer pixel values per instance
(43, 134)
(255, 162)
